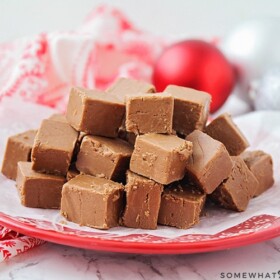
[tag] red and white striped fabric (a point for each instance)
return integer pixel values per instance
(105, 46)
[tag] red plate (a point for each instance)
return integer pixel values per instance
(256, 229)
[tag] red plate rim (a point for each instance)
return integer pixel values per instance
(100, 244)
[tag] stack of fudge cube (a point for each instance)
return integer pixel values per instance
(132, 157)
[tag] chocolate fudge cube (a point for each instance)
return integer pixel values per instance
(53, 147)
(62, 118)
(104, 157)
(210, 162)
(94, 112)
(37, 190)
(18, 148)
(123, 87)
(149, 113)
(160, 157)
(91, 201)
(236, 192)
(225, 130)
(58, 117)
(181, 206)
(191, 108)
(142, 202)
(261, 165)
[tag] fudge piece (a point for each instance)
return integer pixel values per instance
(149, 113)
(91, 201)
(261, 165)
(37, 190)
(124, 87)
(181, 206)
(160, 157)
(191, 108)
(94, 112)
(104, 157)
(225, 130)
(235, 192)
(53, 147)
(142, 202)
(58, 117)
(18, 148)
(210, 162)
(72, 172)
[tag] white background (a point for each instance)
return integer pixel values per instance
(177, 18)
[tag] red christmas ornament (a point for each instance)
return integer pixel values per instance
(196, 64)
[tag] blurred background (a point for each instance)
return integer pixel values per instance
(70, 42)
(164, 17)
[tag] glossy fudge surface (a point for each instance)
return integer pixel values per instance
(261, 165)
(38, 190)
(236, 192)
(104, 157)
(91, 201)
(191, 108)
(181, 206)
(142, 202)
(162, 158)
(226, 131)
(210, 162)
(18, 148)
(94, 112)
(149, 113)
(53, 147)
